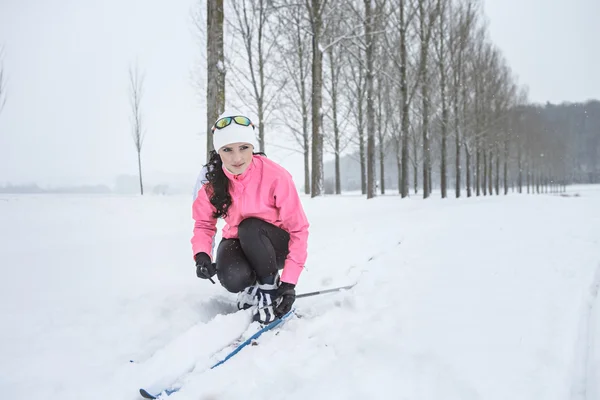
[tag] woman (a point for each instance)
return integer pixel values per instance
(266, 229)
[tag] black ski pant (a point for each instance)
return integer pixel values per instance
(259, 251)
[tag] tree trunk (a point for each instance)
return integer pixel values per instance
(491, 173)
(261, 75)
(380, 134)
(138, 130)
(464, 106)
(497, 171)
(252, 22)
(305, 116)
(477, 170)
(405, 106)
(458, 139)
(445, 116)
(261, 127)
(336, 128)
(399, 163)
(415, 163)
(338, 174)
(429, 177)
(371, 174)
(484, 182)
(416, 178)
(528, 179)
(506, 161)
(317, 86)
(425, 99)
(479, 174)
(426, 145)
(140, 172)
(520, 165)
(468, 160)
(361, 149)
(382, 167)
(306, 166)
(457, 73)
(305, 144)
(215, 93)
(444, 132)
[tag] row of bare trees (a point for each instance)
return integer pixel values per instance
(416, 80)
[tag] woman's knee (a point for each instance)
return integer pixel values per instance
(250, 227)
(235, 277)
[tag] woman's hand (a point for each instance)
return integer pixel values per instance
(286, 295)
(205, 268)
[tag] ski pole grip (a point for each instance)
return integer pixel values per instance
(205, 272)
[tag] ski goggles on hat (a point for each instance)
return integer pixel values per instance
(226, 121)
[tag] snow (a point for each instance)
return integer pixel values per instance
(480, 298)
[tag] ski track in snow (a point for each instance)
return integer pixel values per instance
(586, 377)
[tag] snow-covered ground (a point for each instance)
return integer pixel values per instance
(480, 298)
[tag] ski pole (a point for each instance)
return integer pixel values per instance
(205, 273)
(325, 291)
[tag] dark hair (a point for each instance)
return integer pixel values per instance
(218, 184)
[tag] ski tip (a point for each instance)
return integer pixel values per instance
(146, 395)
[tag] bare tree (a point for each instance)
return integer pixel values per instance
(366, 70)
(383, 109)
(397, 50)
(415, 158)
(337, 60)
(138, 132)
(481, 55)
(460, 32)
(443, 70)
(369, 56)
(510, 100)
(313, 24)
(294, 46)
(254, 25)
(356, 84)
(315, 11)
(215, 79)
(404, 93)
(427, 17)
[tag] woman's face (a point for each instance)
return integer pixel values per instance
(236, 157)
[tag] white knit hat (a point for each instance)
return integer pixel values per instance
(234, 133)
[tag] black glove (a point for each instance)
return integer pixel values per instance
(285, 297)
(205, 269)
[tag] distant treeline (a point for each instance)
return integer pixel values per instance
(121, 187)
(34, 188)
(574, 128)
(563, 138)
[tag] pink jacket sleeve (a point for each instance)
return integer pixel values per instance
(294, 221)
(205, 225)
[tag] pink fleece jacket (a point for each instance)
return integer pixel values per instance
(266, 191)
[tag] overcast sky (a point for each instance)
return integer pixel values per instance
(66, 120)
